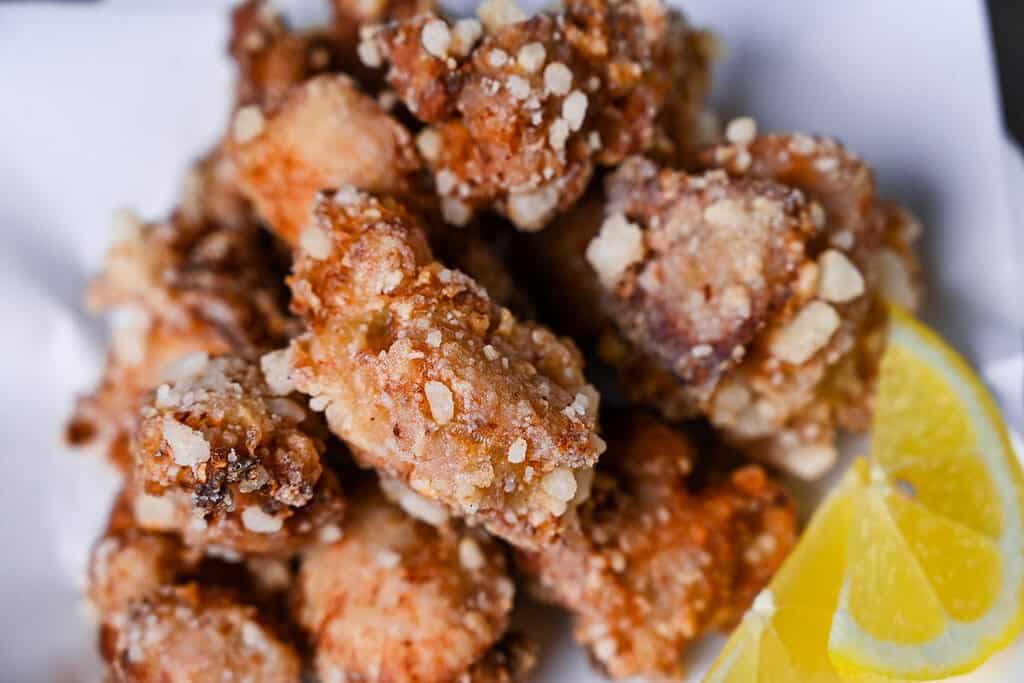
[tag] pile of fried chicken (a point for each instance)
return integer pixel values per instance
(346, 386)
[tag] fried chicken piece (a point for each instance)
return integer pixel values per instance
(519, 118)
(194, 635)
(324, 134)
(401, 601)
(655, 565)
(862, 238)
(208, 278)
(749, 298)
(227, 456)
(272, 58)
(129, 563)
(430, 382)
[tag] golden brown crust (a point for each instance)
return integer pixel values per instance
(719, 259)
(751, 298)
(228, 457)
(326, 133)
(128, 563)
(520, 119)
(399, 601)
(194, 635)
(656, 565)
(206, 279)
(432, 383)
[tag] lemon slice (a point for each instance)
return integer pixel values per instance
(913, 567)
(934, 564)
(784, 635)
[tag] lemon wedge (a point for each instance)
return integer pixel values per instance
(934, 564)
(912, 569)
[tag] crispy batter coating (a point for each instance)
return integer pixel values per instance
(749, 296)
(520, 117)
(128, 563)
(226, 455)
(656, 565)
(208, 278)
(805, 398)
(401, 601)
(432, 383)
(196, 635)
(324, 134)
(717, 258)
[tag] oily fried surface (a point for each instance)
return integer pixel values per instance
(324, 134)
(399, 601)
(433, 384)
(226, 455)
(655, 565)
(196, 635)
(207, 278)
(521, 110)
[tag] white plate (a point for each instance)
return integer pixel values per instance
(102, 105)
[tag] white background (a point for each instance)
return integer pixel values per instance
(102, 106)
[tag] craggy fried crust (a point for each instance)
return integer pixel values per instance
(194, 635)
(711, 290)
(656, 565)
(207, 279)
(224, 456)
(326, 133)
(128, 563)
(519, 120)
(399, 601)
(719, 259)
(432, 383)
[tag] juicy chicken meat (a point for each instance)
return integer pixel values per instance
(521, 110)
(399, 601)
(430, 382)
(228, 457)
(655, 564)
(206, 279)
